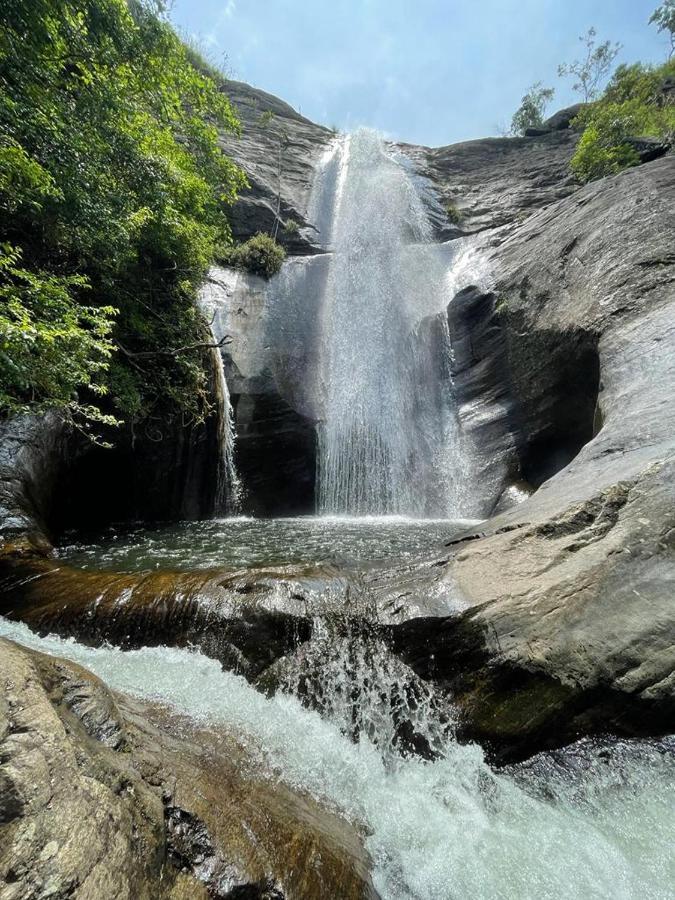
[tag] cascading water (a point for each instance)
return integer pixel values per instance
(228, 485)
(595, 823)
(380, 438)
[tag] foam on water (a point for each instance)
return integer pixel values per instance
(246, 541)
(438, 830)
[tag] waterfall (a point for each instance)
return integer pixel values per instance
(599, 825)
(228, 486)
(381, 437)
(347, 674)
(356, 338)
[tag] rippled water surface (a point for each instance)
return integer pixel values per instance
(257, 542)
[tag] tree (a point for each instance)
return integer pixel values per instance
(530, 113)
(593, 68)
(664, 19)
(633, 105)
(113, 190)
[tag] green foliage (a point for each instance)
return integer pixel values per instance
(291, 226)
(112, 194)
(51, 343)
(596, 64)
(633, 105)
(530, 113)
(453, 213)
(664, 19)
(598, 154)
(260, 255)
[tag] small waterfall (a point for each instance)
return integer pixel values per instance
(381, 440)
(228, 486)
(588, 823)
(347, 673)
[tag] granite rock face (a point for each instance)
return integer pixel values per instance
(564, 371)
(573, 622)
(278, 150)
(495, 181)
(52, 476)
(104, 797)
(270, 342)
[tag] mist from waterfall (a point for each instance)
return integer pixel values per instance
(388, 433)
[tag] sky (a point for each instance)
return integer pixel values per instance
(425, 71)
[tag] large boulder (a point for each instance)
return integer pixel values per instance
(246, 619)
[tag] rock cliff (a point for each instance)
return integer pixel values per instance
(563, 368)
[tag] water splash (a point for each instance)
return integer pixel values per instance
(436, 830)
(348, 675)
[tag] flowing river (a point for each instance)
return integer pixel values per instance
(592, 821)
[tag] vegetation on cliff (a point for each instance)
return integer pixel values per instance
(260, 254)
(638, 102)
(530, 113)
(112, 192)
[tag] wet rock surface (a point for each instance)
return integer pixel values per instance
(52, 476)
(265, 362)
(564, 372)
(106, 797)
(245, 620)
(572, 623)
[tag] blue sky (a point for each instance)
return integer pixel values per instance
(425, 71)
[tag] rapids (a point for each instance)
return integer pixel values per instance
(594, 821)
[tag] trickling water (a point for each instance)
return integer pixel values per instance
(228, 486)
(379, 442)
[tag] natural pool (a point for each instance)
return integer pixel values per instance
(595, 820)
(248, 542)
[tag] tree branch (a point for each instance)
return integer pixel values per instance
(175, 351)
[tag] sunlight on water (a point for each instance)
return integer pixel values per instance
(242, 541)
(446, 830)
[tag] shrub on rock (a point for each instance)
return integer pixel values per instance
(260, 255)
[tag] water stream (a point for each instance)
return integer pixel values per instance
(594, 822)
(359, 343)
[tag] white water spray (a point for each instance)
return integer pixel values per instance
(444, 830)
(382, 437)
